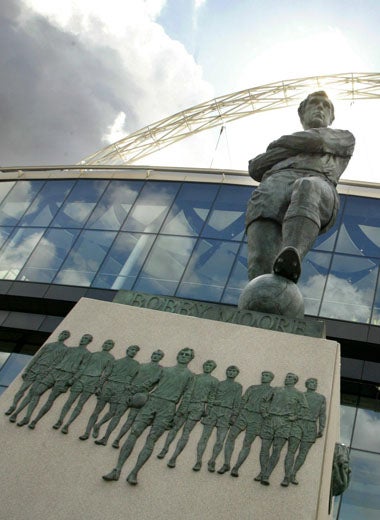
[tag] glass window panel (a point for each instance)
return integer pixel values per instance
(124, 261)
(315, 268)
(11, 369)
(4, 234)
(79, 204)
(227, 218)
(165, 265)
(350, 288)
(151, 207)
(47, 203)
(376, 308)
(85, 258)
(5, 187)
(17, 250)
(114, 206)
(190, 209)
(347, 417)
(360, 230)
(17, 201)
(362, 498)
(238, 279)
(48, 256)
(208, 270)
(367, 425)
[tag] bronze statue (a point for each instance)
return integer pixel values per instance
(116, 383)
(284, 407)
(305, 431)
(62, 377)
(147, 377)
(221, 415)
(87, 381)
(202, 396)
(297, 198)
(37, 377)
(159, 412)
(249, 419)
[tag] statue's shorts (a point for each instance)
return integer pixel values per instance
(250, 421)
(218, 416)
(86, 384)
(309, 431)
(296, 430)
(195, 411)
(276, 426)
(50, 378)
(113, 392)
(290, 193)
(158, 411)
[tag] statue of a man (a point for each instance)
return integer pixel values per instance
(297, 198)
(158, 412)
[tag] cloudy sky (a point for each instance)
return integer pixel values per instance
(77, 75)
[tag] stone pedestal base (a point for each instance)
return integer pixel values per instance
(46, 475)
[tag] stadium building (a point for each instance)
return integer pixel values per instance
(92, 230)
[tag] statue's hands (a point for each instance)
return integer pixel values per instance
(320, 434)
(23, 375)
(292, 417)
(232, 420)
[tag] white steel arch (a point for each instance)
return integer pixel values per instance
(216, 112)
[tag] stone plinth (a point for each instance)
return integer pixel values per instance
(45, 474)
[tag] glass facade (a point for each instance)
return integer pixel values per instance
(187, 239)
(178, 238)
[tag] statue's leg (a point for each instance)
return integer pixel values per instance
(228, 449)
(289, 459)
(264, 242)
(311, 208)
(106, 417)
(207, 430)
(93, 418)
(84, 397)
(264, 456)
(278, 444)
(126, 426)
(244, 452)
(46, 407)
(221, 433)
(125, 451)
(18, 395)
(155, 433)
(34, 397)
(171, 436)
(115, 414)
(187, 429)
(65, 409)
(301, 457)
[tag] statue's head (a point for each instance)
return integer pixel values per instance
(132, 350)
(232, 371)
(86, 339)
(108, 345)
(291, 379)
(157, 355)
(185, 355)
(209, 366)
(311, 383)
(316, 111)
(65, 334)
(267, 376)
